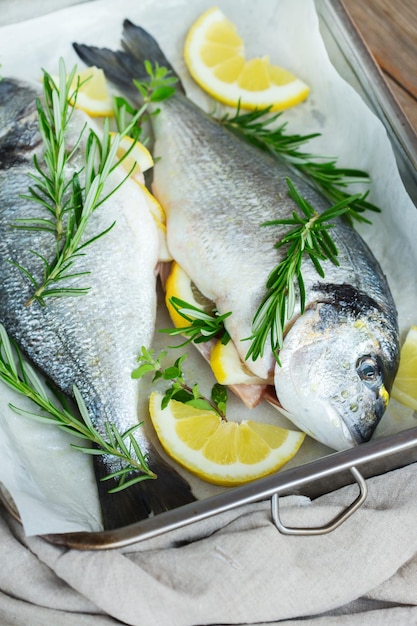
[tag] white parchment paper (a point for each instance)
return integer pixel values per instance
(53, 485)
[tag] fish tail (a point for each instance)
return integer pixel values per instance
(123, 66)
(167, 491)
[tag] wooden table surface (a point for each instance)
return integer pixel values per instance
(390, 31)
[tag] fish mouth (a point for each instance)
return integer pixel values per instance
(329, 426)
(350, 434)
(326, 423)
(322, 422)
(355, 434)
(336, 432)
(361, 431)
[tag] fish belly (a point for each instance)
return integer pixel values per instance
(217, 192)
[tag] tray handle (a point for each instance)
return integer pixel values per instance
(333, 524)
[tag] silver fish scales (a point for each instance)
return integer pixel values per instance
(340, 357)
(91, 341)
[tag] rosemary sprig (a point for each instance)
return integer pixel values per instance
(158, 87)
(70, 199)
(50, 187)
(258, 127)
(202, 325)
(68, 203)
(22, 378)
(309, 238)
(179, 389)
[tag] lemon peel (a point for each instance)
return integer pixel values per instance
(179, 284)
(158, 214)
(215, 57)
(93, 96)
(228, 368)
(404, 389)
(138, 158)
(224, 359)
(220, 452)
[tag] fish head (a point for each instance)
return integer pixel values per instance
(336, 372)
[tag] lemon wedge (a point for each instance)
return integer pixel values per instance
(224, 359)
(405, 384)
(220, 452)
(138, 159)
(159, 217)
(215, 56)
(179, 284)
(228, 368)
(93, 95)
(154, 206)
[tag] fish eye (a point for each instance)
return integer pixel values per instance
(368, 369)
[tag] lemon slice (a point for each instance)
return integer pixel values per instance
(220, 452)
(405, 384)
(228, 368)
(154, 206)
(215, 57)
(93, 95)
(137, 161)
(179, 284)
(224, 360)
(159, 217)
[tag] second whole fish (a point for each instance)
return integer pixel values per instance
(91, 341)
(339, 358)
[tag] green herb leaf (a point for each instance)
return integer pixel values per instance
(179, 390)
(159, 86)
(202, 325)
(70, 203)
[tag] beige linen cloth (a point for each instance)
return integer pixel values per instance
(234, 568)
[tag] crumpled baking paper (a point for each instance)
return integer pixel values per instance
(51, 484)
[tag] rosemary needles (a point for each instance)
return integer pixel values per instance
(22, 378)
(201, 325)
(260, 128)
(67, 200)
(70, 188)
(308, 238)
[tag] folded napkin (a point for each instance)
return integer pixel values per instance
(233, 568)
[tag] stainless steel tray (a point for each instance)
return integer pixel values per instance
(312, 479)
(354, 62)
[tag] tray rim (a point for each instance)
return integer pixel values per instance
(287, 481)
(282, 483)
(385, 104)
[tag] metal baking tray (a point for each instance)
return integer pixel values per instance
(354, 62)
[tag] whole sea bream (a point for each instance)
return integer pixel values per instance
(339, 358)
(91, 341)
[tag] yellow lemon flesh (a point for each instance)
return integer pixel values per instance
(159, 217)
(405, 384)
(138, 159)
(228, 368)
(220, 452)
(179, 284)
(93, 95)
(215, 57)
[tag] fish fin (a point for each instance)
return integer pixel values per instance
(148, 497)
(122, 66)
(118, 66)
